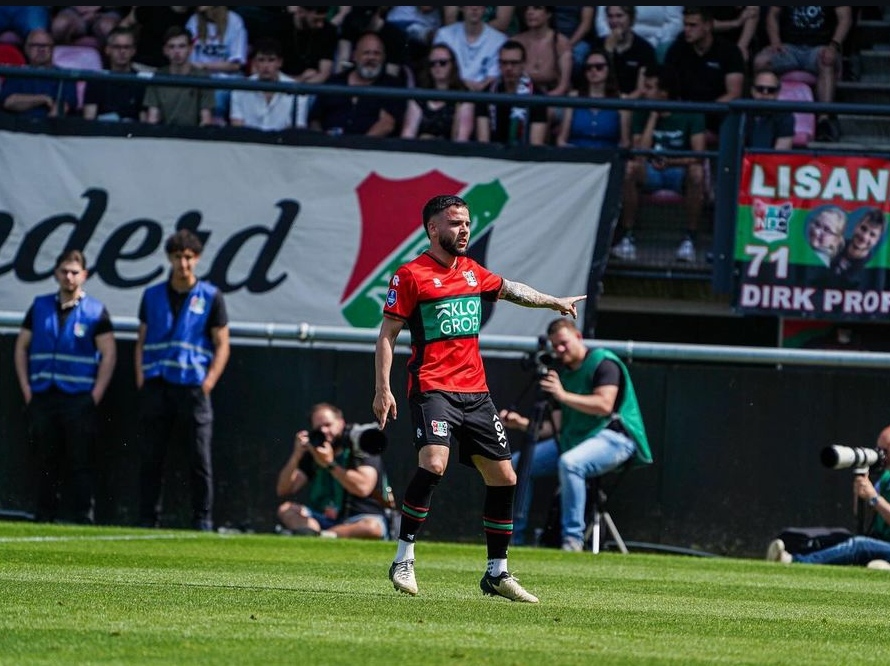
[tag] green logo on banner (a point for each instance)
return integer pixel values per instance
(364, 308)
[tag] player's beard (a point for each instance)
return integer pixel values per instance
(450, 246)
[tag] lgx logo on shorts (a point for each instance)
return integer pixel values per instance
(440, 428)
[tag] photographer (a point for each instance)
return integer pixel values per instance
(597, 422)
(872, 550)
(342, 480)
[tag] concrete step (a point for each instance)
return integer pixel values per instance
(875, 66)
(876, 127)
(863, 92)
(870, 32)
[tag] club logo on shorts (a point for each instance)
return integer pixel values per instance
(391, 298)
(470, 277)
(440, 428)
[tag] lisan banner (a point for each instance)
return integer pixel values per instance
(811, 236)
(292, 233)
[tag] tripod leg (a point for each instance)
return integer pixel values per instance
(610, 524)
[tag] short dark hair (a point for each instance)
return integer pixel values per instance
(184, 240)
(126, 31)
(667, 79)
(630, 10)
(439, 203)
(177, 31)
(268, 46)
(706, 13)
(71, 255)
(513, 45)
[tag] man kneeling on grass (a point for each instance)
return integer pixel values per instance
(872, 550)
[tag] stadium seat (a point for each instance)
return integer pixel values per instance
(68, 56)
(804, 123)
(10, 55)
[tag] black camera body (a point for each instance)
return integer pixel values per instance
(542, 360)
(362, 438)
(860, 459)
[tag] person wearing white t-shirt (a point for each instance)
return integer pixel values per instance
(270, 111)
(475, 45)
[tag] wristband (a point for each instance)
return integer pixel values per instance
(873, 502)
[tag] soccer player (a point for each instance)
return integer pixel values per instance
(439, 296)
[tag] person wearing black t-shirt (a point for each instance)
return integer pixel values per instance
(182, 348)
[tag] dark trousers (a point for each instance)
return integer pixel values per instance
(175, 415)
(63, 429)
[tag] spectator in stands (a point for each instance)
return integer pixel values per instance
(476, 45)
(150, 25)
(39, 98)
(176, 105)
(808, 38)
(658, 25)
(629, 53)
(738, 25)
(259, 109)
(501, 18)
(659, 131)
(548, 53)
(360, 20)
(576, 23)
(73, 22)
(512, 125)
(592, 127)
(372, 116)
(310, 45)
(712, 69)
(22, 19)
(435, 118)
(418, 25)
(116, 100)
(768, 130)
(219, 48)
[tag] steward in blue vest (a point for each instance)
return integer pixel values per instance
(64, 359)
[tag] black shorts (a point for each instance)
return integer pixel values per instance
(469, 420)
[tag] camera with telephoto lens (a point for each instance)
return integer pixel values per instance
(860, 459)
(365, 438)
(542, 360)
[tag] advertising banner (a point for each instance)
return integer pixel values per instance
(811, 236)
(292, 233)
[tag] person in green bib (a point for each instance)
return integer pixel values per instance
(595, 427)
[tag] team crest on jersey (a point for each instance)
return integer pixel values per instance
(80, 330)
(470, 277)
(197, 305)
(391, 298)
(440, 428)
(437, 282)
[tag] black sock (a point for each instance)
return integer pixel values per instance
(416, 503)
(497, 519)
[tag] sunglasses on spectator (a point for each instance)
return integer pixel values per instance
(767, 90)
(598, 66)
(440, 63)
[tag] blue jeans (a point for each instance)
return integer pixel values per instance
(545, 457)
(593, 457)
(855, 550)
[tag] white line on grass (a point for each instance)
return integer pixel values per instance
(123, 537)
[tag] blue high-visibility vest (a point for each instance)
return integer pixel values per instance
(178, 349)
(65, 357)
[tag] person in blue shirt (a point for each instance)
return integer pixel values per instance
(39, 98)
(64, 358)
(182, 349)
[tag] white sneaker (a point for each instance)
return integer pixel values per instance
(776, 552)
(402, 576)
(686, 251)
(878, 564)
(506, 586)
(625, 249)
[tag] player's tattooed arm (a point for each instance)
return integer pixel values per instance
(522, 294)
